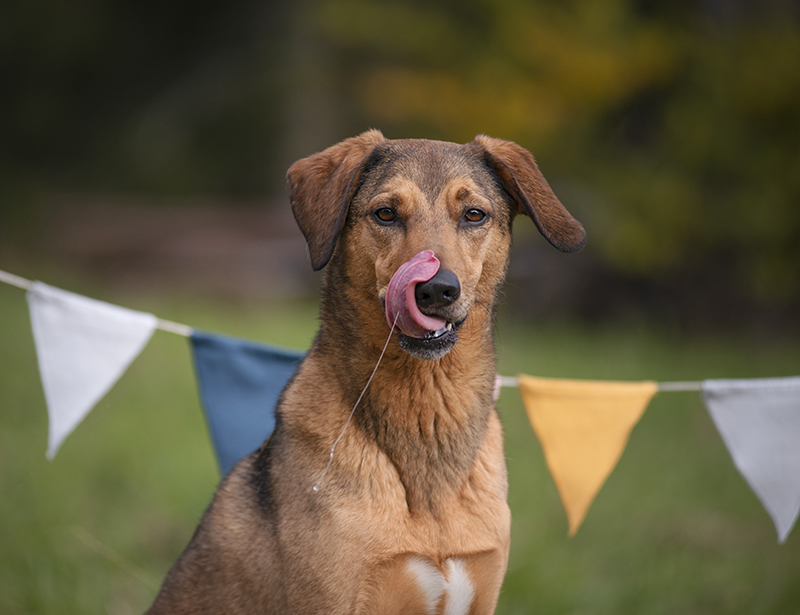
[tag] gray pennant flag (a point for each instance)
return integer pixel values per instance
(759, 420)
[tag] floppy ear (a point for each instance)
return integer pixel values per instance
(520, 177)
(320, 188)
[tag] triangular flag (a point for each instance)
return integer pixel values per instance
(83, 347)
(240, 382)
(583, 427)
(759, 420)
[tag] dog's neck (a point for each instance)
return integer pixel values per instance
(428, 417)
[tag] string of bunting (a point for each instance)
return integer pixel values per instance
(83, 347)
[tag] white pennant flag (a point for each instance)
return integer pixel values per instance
(759, 420)
(83, 347)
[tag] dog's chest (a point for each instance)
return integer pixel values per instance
(445, 589)
(471, 519)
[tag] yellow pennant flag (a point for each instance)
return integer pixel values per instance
(583, 427)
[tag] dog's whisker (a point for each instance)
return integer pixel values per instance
(316, 486)
(482, 305)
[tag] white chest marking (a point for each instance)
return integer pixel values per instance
(430, 581)
(459, 588)
(453, 586)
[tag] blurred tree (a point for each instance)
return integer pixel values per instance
(141, 96)
(681, 120)
(672, 126)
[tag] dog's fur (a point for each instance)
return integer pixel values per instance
(411, 517)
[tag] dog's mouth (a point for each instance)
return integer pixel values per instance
(401, 306)
(432, 335)
(425, 336)
(433, 344)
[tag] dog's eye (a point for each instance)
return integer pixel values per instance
(474, 216)
(385, 215)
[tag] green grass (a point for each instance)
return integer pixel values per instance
(674, 530)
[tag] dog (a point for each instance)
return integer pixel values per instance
(403, 509)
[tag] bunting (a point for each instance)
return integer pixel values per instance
(239, 382)
(83, 346)
(759, 421)
(583, 427)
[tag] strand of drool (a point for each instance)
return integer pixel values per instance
(315, 488)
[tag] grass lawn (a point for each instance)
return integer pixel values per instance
(674, 530)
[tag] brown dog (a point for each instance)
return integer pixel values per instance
(411, 515)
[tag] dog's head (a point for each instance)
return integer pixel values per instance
(376, 205)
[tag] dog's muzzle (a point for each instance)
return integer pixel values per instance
(420, 285)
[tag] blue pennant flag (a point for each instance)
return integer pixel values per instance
(239, 383)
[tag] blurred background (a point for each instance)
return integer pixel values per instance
(143, 149)
(146, 142)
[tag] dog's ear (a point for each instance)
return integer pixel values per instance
(321, 187)
(519, 175)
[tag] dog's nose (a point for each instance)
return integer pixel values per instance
(440, 291)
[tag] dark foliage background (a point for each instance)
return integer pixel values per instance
(670, 128)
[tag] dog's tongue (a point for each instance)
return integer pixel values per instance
(400, 300)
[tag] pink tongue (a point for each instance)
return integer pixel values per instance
(400, 300)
